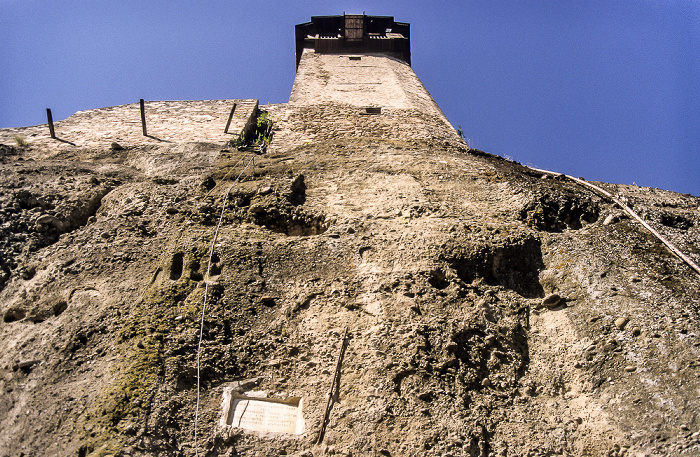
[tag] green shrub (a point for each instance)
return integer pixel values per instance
(261, 134)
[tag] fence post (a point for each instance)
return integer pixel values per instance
(143, 117)
(50, 119)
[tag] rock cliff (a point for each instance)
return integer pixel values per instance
(490, 309)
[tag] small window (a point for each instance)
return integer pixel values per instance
(373, 110)
(355, 58)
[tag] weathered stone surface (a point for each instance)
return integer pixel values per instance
(621, 322)
(611, 219)
(431, 254)
(167, 122)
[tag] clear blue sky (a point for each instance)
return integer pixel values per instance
(608, 90)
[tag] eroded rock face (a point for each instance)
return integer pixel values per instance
(438, 260)
(35, 213)
(560, 210)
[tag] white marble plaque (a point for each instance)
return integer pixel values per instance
(264, 414)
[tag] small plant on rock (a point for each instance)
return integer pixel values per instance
(21, 141)
(263, 129)
(261, 134)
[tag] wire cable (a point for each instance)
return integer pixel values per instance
(600, 191)
(206, 292)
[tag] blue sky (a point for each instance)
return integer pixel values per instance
(607, 90)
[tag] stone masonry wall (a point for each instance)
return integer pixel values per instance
(166, 121)
(331, 92)
(299, 125)
(359, 80)
(328, 102)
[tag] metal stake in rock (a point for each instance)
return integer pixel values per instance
(49, 117)
(333, 392)
(143, 117)
(230, 116)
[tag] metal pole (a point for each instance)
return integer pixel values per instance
(50, 119)
(230, 116)
(334, 388)
(143, 117)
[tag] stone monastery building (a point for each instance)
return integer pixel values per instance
(353, 78)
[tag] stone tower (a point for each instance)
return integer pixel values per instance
(355, 70)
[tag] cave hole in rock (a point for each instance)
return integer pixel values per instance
(556, 212)
(676, 221)
(363, 251)
(176, 266)
(297, 194)
(295, 224)
(60, 307)
(241, 199)
(438, 280)
(215, 268)
(13, 315)
(515, 266)
(195, 274)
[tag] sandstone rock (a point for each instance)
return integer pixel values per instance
(27, 364)
(426, 396)
(610, 345)
(621, 322)
(477, 249)
(47, 219)
(611, 219)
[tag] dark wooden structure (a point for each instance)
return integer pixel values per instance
(355, 33)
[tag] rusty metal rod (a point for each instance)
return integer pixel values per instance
(50, 119)
(334, 388)
(143, 117)
(230, 116)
